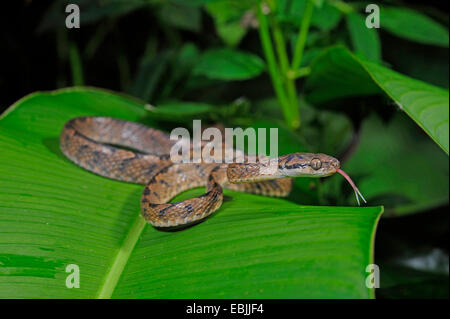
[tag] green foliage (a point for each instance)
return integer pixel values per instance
(337, 72)
(180, 15)
(176, 110)
(311, 69)
(364, 40)
(228, 18)
(414, 26)
(56, 214)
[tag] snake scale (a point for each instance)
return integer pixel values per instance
(94, 143)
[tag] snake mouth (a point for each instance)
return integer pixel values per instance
(355, 189)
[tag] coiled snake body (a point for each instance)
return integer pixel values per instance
(88, 142)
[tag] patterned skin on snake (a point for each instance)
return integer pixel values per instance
(88, 142)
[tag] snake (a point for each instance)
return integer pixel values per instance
(135, 153)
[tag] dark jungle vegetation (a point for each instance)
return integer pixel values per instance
(375, 98)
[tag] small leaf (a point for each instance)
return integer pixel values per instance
(227, 17)
(182, 16)
(326, 17)
(227, 64)
(413, 26)
(365, 41)
(231, 33)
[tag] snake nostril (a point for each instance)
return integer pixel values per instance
(336, 164)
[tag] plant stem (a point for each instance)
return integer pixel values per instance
(299, 73)
(290, 113)
(280, 46)
(75, 65)
(303, 33)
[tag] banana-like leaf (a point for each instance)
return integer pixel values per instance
(338, 73)
(227, 64)
(54, 214)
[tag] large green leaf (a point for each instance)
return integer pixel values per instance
(414, 26)
(178, 110)
(338, 73)
(150, 71)
(53, 213)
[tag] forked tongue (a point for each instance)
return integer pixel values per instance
(357, 192)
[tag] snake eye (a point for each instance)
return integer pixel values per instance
(316, 163)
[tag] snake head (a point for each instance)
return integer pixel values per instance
(308, 165)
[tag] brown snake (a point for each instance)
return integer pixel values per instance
(87, 141)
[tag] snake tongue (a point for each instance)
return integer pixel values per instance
(355, 189)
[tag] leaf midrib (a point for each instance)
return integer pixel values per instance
(121, 258)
